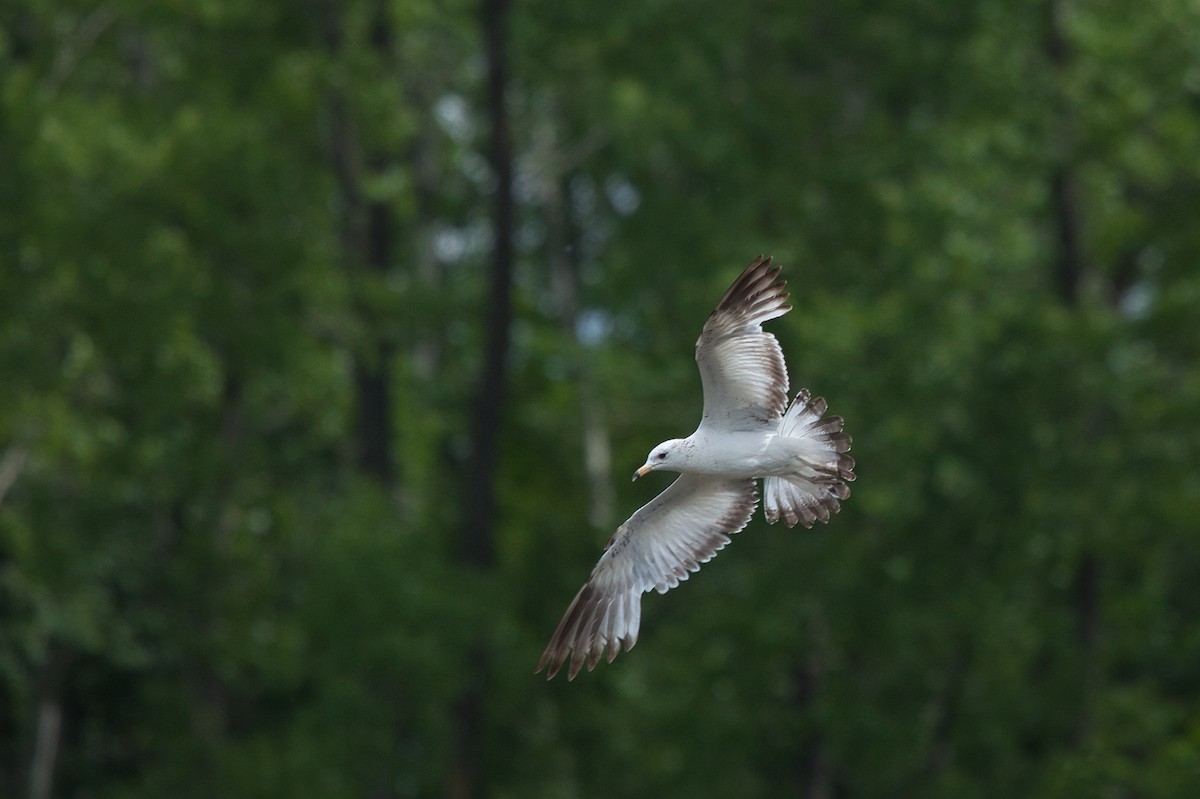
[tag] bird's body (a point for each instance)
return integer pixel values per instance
(761, 453)
(747, 432)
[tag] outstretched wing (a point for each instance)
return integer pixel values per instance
(668, 537)
(741, 367)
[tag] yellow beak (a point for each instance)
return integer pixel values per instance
(642, 472)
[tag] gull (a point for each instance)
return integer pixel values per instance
(747, 432)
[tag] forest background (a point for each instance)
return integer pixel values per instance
(330, 333)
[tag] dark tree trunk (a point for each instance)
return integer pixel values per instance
(372, 368)
(1069, 265)
(815, 775)
(366, 232)
(1087, 619)
(477, 542)
(1071, 268)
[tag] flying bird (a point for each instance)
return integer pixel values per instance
(747, 432)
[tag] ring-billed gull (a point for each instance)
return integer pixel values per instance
(748, 431)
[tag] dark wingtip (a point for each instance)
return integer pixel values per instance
(760, 281)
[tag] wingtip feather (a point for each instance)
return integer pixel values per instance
(605, 615)
(758, 289)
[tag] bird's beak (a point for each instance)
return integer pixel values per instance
(642, 472)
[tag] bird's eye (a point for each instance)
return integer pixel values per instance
(662, 455)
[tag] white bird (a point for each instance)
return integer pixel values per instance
(747, 432)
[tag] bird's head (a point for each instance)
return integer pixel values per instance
(667, 455)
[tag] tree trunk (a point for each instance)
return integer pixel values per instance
(45, 750)
(1087, 633)
(562, 255)
(12, 463)
(367, 240)
(1069, 265)
(1070, 269)
(815, 773)
(477, 543)
(373, 367)
(815, 776)
(48, 719)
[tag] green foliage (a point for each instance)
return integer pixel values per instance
(198, 574)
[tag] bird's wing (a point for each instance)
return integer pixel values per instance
(741, 367)
(668, 537)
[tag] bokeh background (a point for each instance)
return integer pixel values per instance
(331, 332)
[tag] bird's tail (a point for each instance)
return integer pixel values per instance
(815, 490)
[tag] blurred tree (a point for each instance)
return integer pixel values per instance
(244, 438)
(477, 543)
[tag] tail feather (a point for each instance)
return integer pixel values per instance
(814, 491)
